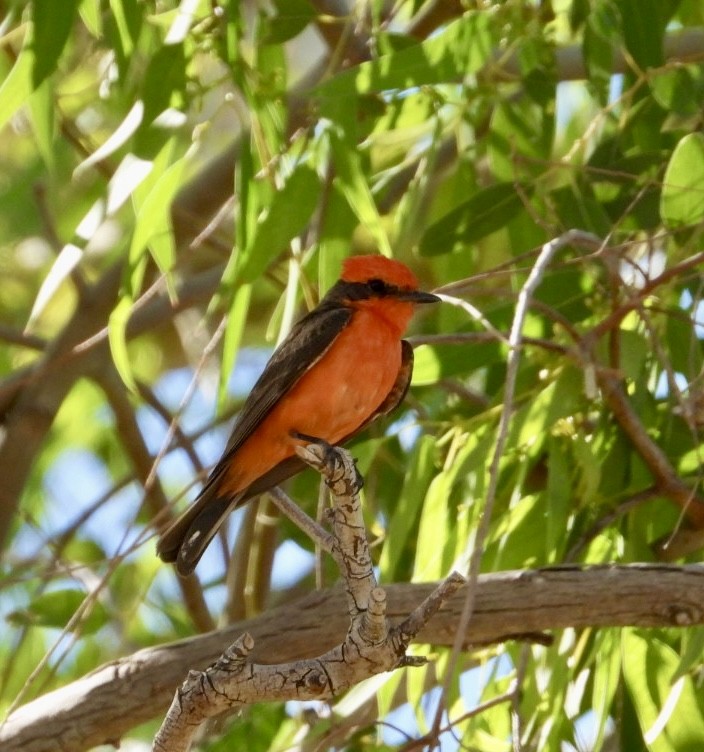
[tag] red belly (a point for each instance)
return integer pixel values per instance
(330, 401)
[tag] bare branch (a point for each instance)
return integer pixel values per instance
(104, 705)
(371, 645)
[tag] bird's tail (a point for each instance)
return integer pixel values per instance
(187, 538)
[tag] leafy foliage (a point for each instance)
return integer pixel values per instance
(181, 180)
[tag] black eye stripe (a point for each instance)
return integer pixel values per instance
(374, 288)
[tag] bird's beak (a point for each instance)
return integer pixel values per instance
(417, 296)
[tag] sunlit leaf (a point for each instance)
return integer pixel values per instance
(607, 673)
(284, 219)
(117, 324)
(291, 17)
(670, 717)
(57, 608)
(234, 329)
(52, 26)
(17, 86)
(433, 531)
(117, 138)
(458, 50)
(420, 472)
(353, 184)
(153, 225)
(65, 263)
(682, 201)
(486, 211)
(691, 658)
(128, 20)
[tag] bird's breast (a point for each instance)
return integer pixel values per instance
(333, 398)
(349, 381)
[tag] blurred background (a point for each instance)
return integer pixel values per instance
(179, 182)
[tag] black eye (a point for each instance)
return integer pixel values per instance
(377, 286)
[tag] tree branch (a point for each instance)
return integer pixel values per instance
(372, 645)
(104, 705)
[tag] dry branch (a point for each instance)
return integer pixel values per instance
(372, 645)
(104, 705)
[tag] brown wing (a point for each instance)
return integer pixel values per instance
(400, 388)
(293, 465)
(186, 539)
(305, 345)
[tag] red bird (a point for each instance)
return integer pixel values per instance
(342, 365)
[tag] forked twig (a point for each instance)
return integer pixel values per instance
(372, 644)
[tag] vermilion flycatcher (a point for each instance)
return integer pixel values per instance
(341, 366)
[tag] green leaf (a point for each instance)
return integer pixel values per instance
(56, 609)
(487, 211)
(90, 15)
(285, 218)
(41, 111)
(127, 18)
(153, 210)
(117, 324)
(602, 36)
(435, 362)
(460, 49)
(643, 27)
(669, 714)
(520, 129)
(84, 551)
(559, 493)
(607, 673)
(576, 206)
(679, 90)
(684, 351)
(555, 400)
(352, 182)
(292, 16)
(691, 657)
(165, 77)
(129, 584)
(433, 531)
(234, 330)
(682, 199)
(421, 467)
(17, 86)
(52, 26)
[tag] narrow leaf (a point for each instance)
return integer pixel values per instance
(668, 712)
(153, 226)
(41, 112)
(65, 262)
(682, 199)
(643, 26)
(487, 211)
(117, 324)
(17, 86)
(292, 16)
(234, 330)
(117, 138)
(421, 469)
(286, 217)
(459, 50)
(353, 184)
(56, 608)
(52, 26)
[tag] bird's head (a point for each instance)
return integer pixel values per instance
(384, 285)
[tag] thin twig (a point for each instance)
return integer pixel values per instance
(372, 645)
(572, 237)
(307, 524)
